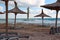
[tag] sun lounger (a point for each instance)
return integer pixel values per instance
(13, 37)
(54, 30)
(16, 36)
(9, 33)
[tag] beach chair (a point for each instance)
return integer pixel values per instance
(15, 36)
(9, 33)
(51, 31)
(54, 30)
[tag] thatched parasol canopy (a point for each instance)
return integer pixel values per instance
(42, 14)
(1, 13)
(16, 10)
(53, 6)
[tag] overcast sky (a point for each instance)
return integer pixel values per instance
(34, 5)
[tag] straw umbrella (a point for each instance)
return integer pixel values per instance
(42, 15)
(6, 4)
(16, 11)
(28, 13)
(54, 6)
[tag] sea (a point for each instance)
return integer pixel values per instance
(47, 21)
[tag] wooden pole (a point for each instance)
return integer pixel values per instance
(42, 21)
(28, 13)
(15, 20)
(56, 19)
(6, 3)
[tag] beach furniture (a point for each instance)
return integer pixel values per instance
(54, 30)
(6, 4)
(54, 6)
(9, 33)
(12, 35)
(9, 36)
(42, 15)
(16, 11)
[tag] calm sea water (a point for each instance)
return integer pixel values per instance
(47, 21)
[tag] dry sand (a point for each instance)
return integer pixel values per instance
(34, 31)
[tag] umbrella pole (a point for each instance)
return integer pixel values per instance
(6, 3)
(15, 20)
(42, 21)
(27, 16)
(56, 20)
(28, 13)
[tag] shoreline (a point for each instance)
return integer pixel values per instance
(39, 24)
(23, 25)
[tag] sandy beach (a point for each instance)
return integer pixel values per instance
(34, 31)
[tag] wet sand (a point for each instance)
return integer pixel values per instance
(34, 31)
